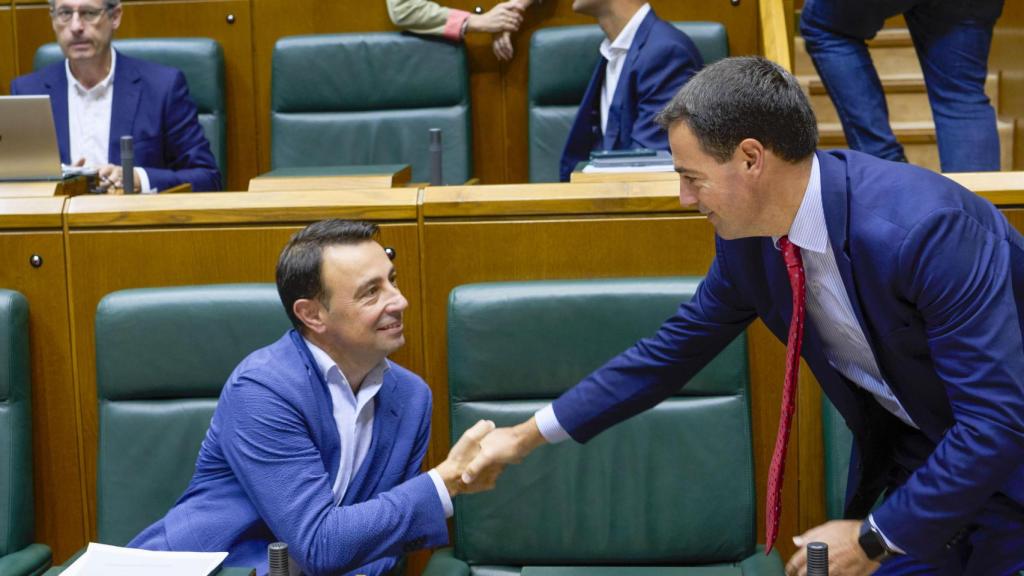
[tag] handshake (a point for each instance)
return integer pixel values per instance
(483, 451)
(505, 18)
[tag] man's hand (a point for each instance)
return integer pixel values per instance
(460, 455)
(502, 46)
(505, 17)
(845, 555)
(502, 446)
(111, 178)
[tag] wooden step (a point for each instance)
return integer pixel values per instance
(892, 51)
(905, 94)
(918, 139)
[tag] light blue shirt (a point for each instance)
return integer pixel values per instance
(353, 416)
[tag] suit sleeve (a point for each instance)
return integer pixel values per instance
(187, 155)
(656, 367)
(960, 276)
(667, 68)
(267, 445)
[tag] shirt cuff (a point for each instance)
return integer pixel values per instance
(549, 426)
(144, 182)
(453, 27)
(888, 543)
(442, 493)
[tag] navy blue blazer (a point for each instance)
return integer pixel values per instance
(152, 104)
(268, 462)
(935, 275)
(660, 60)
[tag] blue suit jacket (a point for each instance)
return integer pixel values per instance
(269, 460)
(151, 104)
(660, 60)
(935, 275)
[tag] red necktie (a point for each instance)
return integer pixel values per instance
(795, 268)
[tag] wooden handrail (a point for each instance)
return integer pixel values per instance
(776, 38)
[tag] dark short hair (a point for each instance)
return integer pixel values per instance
(745, 97)
(298, 268)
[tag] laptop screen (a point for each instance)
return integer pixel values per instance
(28, 140)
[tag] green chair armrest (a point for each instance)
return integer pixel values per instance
(760, 563)
(443, 563)
(31, 560)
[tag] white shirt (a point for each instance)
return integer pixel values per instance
(615, 53)
(89, 111)
(353, 415)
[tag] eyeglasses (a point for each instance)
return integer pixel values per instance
(87, 15)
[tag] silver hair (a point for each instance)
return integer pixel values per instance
(108, 4)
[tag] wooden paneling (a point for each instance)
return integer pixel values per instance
(33, 227)
(175, 18)
(7, 53)
(1007, 40)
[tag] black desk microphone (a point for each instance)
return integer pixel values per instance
(817, 559)
(436, 177)
(128, 165)
(277, 554)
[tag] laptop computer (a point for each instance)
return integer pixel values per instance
(28, 140)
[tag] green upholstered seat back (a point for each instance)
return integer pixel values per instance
(562, 59)
(838, 442)
(162, 357)
(673, 485)
(201, 60)
(16, 513)
(341, 99)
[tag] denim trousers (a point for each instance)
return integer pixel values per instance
(952, 40)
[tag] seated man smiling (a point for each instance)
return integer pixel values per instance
(318, 439)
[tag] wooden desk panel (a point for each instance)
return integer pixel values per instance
(112, 247)
(33, 227)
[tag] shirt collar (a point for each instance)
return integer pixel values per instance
(624, 40)
(328, 367)
(808, 230)
(102, 86)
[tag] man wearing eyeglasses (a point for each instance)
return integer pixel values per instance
(99, 95)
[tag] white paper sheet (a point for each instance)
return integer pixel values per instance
(105, 560)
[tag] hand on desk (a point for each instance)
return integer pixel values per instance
(111, 179)
(845, 555)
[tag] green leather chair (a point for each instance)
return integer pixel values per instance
(162, 357)
(669, 492)
(370, 99)
(838, 441)
(18, 555)
(562, 59)
(202, 62)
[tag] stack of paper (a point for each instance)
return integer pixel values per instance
(104, 560)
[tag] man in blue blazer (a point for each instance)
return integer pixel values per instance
(99, 95)
(914, 307)
(318, 439)
(644, 60)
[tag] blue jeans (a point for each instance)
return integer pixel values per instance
(952, 40)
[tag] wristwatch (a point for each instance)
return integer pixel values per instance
(872, 543)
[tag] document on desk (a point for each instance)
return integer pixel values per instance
(104, 560)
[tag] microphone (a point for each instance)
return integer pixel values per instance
(436, 178)
(817, 559)
(277, 555)
(128, 165)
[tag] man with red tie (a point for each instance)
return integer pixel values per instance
(902, 290)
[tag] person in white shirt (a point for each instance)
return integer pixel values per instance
(644, 60)
(98, 96)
